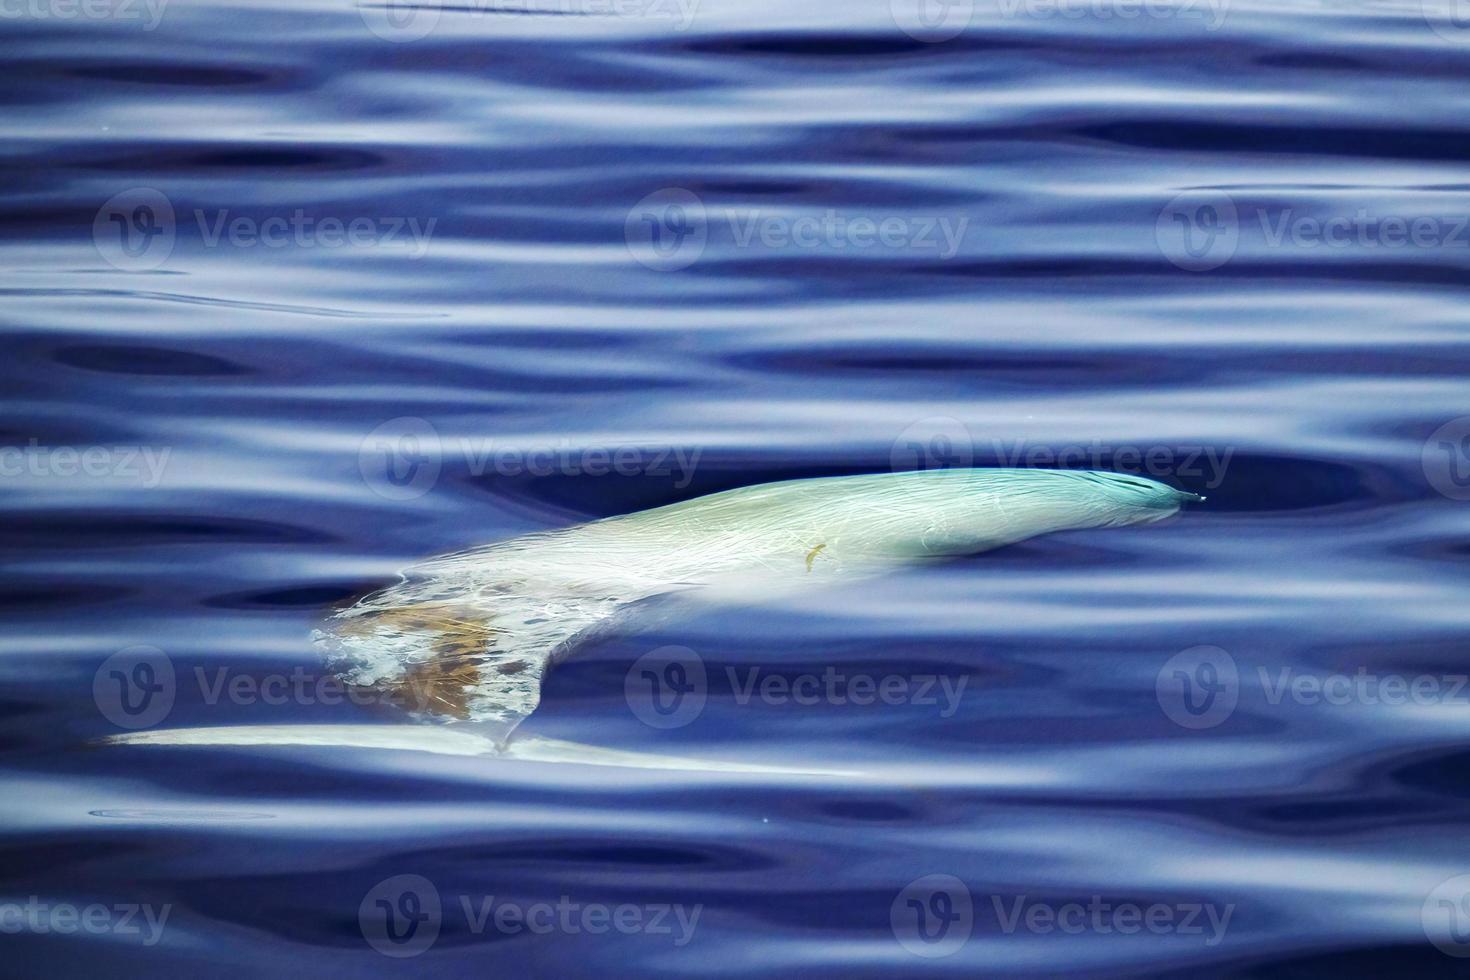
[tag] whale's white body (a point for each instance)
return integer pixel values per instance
(470, 636)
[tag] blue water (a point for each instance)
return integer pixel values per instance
(608, 256)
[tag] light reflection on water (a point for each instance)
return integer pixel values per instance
(585, 238)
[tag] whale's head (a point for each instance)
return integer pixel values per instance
(1122, 498)
(1011, 504)
(994, 507)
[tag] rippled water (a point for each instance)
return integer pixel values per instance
(297, 294)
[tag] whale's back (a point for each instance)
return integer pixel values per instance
(470, 636)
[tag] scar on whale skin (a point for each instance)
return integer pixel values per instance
(811, 556)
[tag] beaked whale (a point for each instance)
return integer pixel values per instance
(466, 639)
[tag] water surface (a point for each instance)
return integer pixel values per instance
(325, 289)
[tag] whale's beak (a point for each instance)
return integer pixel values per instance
(1192, 498)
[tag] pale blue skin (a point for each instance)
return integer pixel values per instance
(881, 518)
(541, 594)
(547, 592)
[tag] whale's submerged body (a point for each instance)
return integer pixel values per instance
(470, 636)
